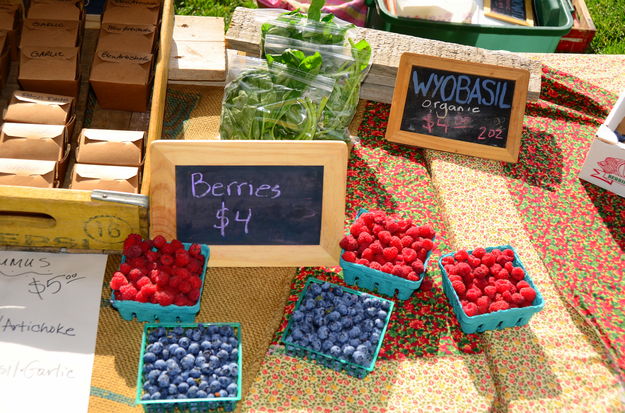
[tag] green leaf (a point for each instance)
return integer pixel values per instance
(314, 11)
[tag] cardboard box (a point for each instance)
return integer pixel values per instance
(49, 70)
(11, 22)
(27, 172)
(33, 107)
(5, 59)
(605, 162)
(56, 10)
(110, 147)
(45, 32)
(32, 141)
(132, 11)
(121, 80)
(105, 177)
(133, 38)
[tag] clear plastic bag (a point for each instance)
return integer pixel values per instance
(347, 65)
(272, 101)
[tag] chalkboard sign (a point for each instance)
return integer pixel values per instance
(254, 203)
(458, 106)
(511, 11)
(249, 205)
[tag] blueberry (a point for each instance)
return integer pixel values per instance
(173, 367)
(148, 367)
(223, 393)
(173, 347)
(214, 386)
(191, 381)
(335, 351)
(234, 354)
(379, 323)
(309, 304)
(200, 361)
(303, 341)
(155, 396)
(342, 309)
(358, 318)
(315, 343)
(184, 342)
(226, 346)
(348, 350)
(326, 286)
(203, 385)
(192, 392)
(343, 337)
(366, 326)
(212, 329)
(354, 342)
(233, 341)
(195, 373)
(178, 331)
(334, 316)
(197, 336)
(201, 394)
(180, 353)
(153, 375)
(205, 345)
(182, 388)
(335, 326)
(362, 348)
(351, 312)
(326, 345)
(146, 396)
(177, 380)
(194, 348)
(360, 357)
(232, 389)
(164, 341)
(214, 362)
(189, 333)
(172, 389)
(225, 370)
(187, 362)
(297, 315)
(385, 305)
(224, 381)
(156, 348)
(160, 332)
(165, 354)
(184, 375)
(346, 323)
(323, 332)
(215, 343)
(222, 354)
(354, 332)
(371, 311)
(160, 364)
(180, 396)
(338, 292)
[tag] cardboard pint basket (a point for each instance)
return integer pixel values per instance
(121, 80)
(49, 70)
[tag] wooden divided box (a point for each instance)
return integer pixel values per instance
(69, 219)
(582, 33)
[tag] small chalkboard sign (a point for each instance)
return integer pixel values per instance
(456, 106)
(255, 203)
(511, 11)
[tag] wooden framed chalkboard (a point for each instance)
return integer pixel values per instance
(511, 11)
(255, 203)
(456, 106)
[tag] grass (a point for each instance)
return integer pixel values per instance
(608, 16)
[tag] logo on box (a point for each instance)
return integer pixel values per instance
(612, 170)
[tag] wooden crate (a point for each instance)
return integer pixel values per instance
(582, 33)
(77, 220)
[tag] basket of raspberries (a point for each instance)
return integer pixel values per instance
(190, 367)
(159, 280)
(489, 289)
(385, 254)
(337, 327)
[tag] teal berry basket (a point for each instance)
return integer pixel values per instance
(379, 281)
(150, 312)
(327, 360)
(498, 320)
(226, 404)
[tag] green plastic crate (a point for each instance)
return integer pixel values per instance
(553, 20)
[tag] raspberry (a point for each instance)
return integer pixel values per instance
(498, 306)
(480, 283)
(182, 258)
(413, 232)
(502, 274)
(349, 256)
(134, 274)
(488, 259)
(404, 224)
(509, 253)
(528, 293)
(362, 261)
(195, 267)
(159, 241)
(376, 247)
(375, 265)
(474, 262)
(481, 272)
(491, 280)
(502, 260)
(522, 284)
(473, 294)
(470, 309)
(390, 253)
(417, 245)
(503, 285)
(463, 269)
(459, 287)
(168, 249)
(391, 225)
(406, 240)
(118, 280)
(490, 291)
(426, 231)
(377, 228)
(412, 276)
(148, 290)
(496, 252)
(409, 254)
(479, 252)
(399, 271)
(367, 254)
(177, 245)
(185, 286)
(132, 239)
(349, 243)
(447, 260)
(518, 299)
(133, 251)
(517, 274)
(379, 258)
(146, 246)
(453, 278)
(164, 298)
(507, 296)
(364, 238)
(152, 256)
(508, 266)
(357, 228)
(143, 281)
(174, 282)
(162, 279)
(128, 292)
(482, 304)
(417, 266)
(140, 297)
(195, 250)
(427, 244)
(137, 262)
(167, 259)
(388, 267)
(368, 218)
(396, 242)
(196, 282)
(400, 259)
(125, 268)
(494, 270)
(422, 254)
(193, 295)
(181, 300)
(461, 255)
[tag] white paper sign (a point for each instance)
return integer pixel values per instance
(49, 307)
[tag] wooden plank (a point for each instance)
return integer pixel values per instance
(199, 28)
(197, 61)
(166, 155)
(244, 35)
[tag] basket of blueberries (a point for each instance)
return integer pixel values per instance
(190, 367)
(337, 327)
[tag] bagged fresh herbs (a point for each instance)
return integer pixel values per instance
(273, 100)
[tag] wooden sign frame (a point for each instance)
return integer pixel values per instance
(332, 155)
(529, 14)
(509, 153)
